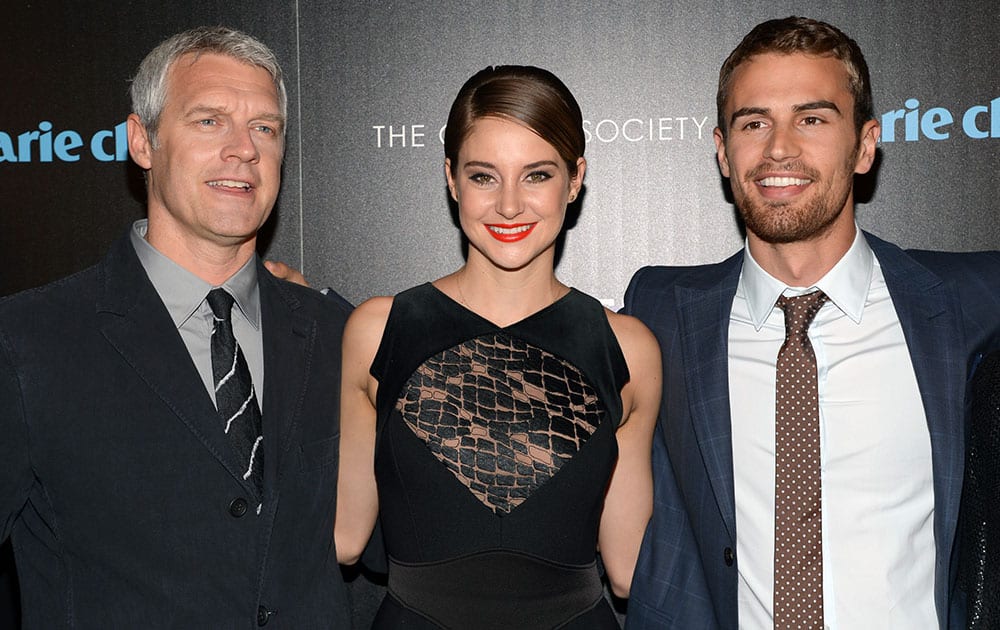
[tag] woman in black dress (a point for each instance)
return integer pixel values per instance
(498, 421)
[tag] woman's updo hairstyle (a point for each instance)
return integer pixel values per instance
(534, 97)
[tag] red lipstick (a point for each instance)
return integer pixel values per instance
(509, 232)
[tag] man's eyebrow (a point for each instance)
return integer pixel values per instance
(207, 109)
(204, 109)
(748, 111)
(816, 105)
(801, 107)
(277, 119)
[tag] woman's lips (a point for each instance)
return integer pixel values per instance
(509, 233)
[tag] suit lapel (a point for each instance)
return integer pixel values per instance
(704, 309)
(136, 323)
(289, 335)
(928, 313)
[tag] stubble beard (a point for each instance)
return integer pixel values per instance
(795, 220)
(787, 222)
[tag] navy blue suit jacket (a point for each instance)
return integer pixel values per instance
(123, 500)
(949, 309)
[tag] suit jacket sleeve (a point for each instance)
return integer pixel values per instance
(15, 465)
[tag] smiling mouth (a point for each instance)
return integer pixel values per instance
(510, 233)
(230, 184)
(781, 182)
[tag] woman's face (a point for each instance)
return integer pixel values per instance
(512, 188)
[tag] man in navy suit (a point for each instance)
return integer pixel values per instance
(894, 345)
(127, 502)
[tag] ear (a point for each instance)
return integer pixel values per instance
(870, 133)
(577, 182)
(720, 151)
(139, 146)
(451, 180)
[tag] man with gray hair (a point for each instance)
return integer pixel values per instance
(169, 416)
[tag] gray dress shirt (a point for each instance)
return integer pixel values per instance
(183, 293)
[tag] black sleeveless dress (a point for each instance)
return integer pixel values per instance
(494, 449)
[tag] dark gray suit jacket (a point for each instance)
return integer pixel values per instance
(686, 578)
(118, 489)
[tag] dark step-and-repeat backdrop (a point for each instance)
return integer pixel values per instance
(363, 206)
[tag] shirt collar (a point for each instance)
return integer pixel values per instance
(846, 283)
(183, 292)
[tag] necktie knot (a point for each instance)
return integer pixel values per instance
(801, 310)
(221, 303)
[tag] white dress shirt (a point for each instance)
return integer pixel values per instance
(877, 485)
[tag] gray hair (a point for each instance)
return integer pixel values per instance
(149, 87)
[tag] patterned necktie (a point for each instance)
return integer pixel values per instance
(234, 393)
(798, 541)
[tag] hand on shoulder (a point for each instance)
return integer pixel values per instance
(282, 271)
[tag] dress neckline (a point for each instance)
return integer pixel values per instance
(523, 320)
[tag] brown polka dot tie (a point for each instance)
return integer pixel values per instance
(798, 542)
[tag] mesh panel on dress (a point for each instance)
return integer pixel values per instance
(502, 415)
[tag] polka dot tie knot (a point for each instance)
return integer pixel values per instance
(798, 541)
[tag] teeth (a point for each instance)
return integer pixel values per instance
(782, 181)
(513, 230)
(230, 183)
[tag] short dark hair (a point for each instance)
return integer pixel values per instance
(532, 96)
(801, 35)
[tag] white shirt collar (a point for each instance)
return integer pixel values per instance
(846, 283)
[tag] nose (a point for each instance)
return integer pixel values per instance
(510, 201)
(241, 145)
(782, 143)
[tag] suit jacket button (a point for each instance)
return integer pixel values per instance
(238, 507)
(727, 554)
(262, 615)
